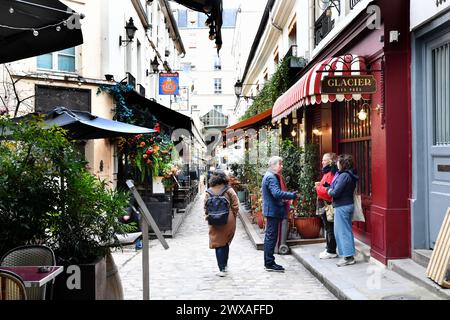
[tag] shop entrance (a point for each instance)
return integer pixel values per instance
(353, 136)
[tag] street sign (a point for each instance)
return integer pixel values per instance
(168, 83)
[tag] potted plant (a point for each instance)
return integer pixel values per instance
(308, 224)
(49, 197)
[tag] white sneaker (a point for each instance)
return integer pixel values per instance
(326, 255)
(221, 274)
(226, 269)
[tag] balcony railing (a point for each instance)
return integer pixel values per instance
(353, 3)
(295, 60)
(322, 27)
(215, 121)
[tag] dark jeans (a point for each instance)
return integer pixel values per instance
(270, 240)
(329, 234)
(222, 257)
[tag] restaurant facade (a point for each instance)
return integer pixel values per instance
(352, 98)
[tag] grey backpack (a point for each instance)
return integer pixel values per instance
(218, 207)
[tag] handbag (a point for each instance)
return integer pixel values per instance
(329, 210)
(358, 214)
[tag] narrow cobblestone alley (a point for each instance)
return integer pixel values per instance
(187, 270)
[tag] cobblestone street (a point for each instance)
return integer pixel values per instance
(187, 270)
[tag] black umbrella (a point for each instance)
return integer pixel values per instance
(82, 125)
(30, 28)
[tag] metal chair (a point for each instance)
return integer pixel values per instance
(31, 255)
(11, 286)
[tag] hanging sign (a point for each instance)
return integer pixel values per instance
(349, 84)
(168, 83)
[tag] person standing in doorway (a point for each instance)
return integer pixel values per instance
(220, 236)
(329, 170)
(342, 189)
(274, 209)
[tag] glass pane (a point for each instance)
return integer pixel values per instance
(45, 61)
(66, 63)
(182, 18)
(69, 51)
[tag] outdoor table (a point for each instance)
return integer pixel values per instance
(31, 277)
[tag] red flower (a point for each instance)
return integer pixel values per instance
(142, 144)
(149, 162)
(145, 156)
(149, 151)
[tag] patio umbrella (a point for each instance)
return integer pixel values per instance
(82, 125)
(33, 27)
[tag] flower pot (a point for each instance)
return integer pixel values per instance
(308, 227)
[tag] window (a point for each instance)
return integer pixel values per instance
(229, 18)
(276, 56)
(217, 63)
(61, 61)
(293, 32)
(218, 86)
(182, 18)
(194, 107)
(441, 97)
(218, 108)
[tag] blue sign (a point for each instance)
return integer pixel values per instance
(168, 83)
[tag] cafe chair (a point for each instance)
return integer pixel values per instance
(31, 255)
(11, 286)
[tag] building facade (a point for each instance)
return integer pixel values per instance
(71, 78)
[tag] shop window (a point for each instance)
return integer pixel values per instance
(354, 138)
(182, 18)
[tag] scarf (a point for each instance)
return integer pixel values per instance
(330, 168)
(283, 187)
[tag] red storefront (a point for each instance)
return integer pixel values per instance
(379, 142)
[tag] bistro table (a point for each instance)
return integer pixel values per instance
(31, 275)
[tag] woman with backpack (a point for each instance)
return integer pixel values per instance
(221, 209)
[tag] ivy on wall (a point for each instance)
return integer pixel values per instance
(273, 88)
(123, 111)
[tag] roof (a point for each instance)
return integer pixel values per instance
(253, 121)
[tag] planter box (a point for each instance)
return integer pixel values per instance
(160, 208)
(81, 282)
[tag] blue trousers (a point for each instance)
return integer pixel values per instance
(222, 256)
(343, 230)
(270, 240)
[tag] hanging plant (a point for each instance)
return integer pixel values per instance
(123, 111)
(273, 88)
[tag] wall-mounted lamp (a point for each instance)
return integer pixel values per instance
(238, 90)
(328, 4)
(293, 133)
(317, 132)
(155, 64)
(131, 32)
(362, 114)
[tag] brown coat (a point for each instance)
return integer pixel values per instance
(220, 236)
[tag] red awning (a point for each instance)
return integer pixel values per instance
(307, 90)
(251, 122)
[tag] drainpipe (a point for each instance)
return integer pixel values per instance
(312, 17)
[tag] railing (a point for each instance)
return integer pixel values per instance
(322, 27)
(215, 121)
(353, 3)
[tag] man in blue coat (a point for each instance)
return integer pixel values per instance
(274, 210)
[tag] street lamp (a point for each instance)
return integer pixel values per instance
(328, 4)
(155, 64)
(131, 32)
(238, 90)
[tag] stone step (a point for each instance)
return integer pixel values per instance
(422, 257)
(416, 272)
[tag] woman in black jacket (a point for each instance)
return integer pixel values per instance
(342, 189)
